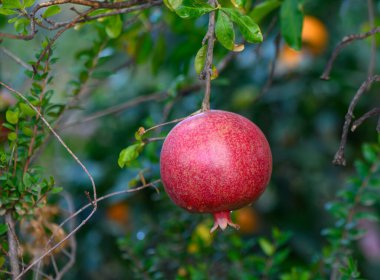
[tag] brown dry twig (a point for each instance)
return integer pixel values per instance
(346, 41)
(339, 156)
(369, 114)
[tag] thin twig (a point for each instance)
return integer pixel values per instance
(339, 156)
(20, 95)
(346, 41)
(118, 108)
(170, 122)
(12, 243)
(16, 58)
(272, 70)
(207, 70)
(371, 113)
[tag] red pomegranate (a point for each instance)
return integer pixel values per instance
(215, 162)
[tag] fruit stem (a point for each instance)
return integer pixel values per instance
(207, 70)
(222, 220)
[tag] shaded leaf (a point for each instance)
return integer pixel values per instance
(224, 31)
(248, 28)
(263, 9)
(291, 20)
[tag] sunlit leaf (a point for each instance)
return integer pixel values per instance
(51, 11)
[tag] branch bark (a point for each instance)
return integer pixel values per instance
(207, 70)
(12, 243)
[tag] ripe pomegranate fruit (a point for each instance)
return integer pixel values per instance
(215, 162)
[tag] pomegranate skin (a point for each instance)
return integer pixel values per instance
(215, 162)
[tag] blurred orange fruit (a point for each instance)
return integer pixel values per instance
(248, 220)
(314, 35)
(118, 213)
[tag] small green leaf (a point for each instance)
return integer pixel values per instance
(224, 31)
(21, 24)
(56, 190)
(51, 11)
(129, 154)
(27, 110)
(12, 116)
(366, 216)
(266, 246)
(28, 3)
(27, 180)
(7, 12)
(114, 26)
(167, 4)
(3, 229)
(190, 8)
(248, 28)
(291, 20)
(12, 4)
(263, 9)
(200, 59)
(12, 136)
(369, 153)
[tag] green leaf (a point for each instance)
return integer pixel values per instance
(51, 11)
(167, 4)
(114, 26)
(56, 190)
(224, 31)
(291, 20)
(248, 28)
(27, 180)
(263, 9)
(2, 261)
(200, 59)
(190, 8)
(239, 3)
(28, 3)
(12, 116)
(129, 154)
(366, 216)
(3, 229)
(21, 24)
(11, 4)
(12, 136)
(369, 153)
(27, 110)
(266, 246)
(7, 12)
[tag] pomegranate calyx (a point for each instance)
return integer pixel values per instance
(222, 220)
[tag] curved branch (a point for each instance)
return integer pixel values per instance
(369, 114)
(339, 156)
(346, 41)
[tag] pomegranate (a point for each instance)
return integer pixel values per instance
(215, 162)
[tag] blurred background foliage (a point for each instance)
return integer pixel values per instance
(142, 235)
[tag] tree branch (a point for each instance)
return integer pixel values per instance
(12, 243)
(371, 113)
(346, 41)
(339, 156)
(207, 70)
